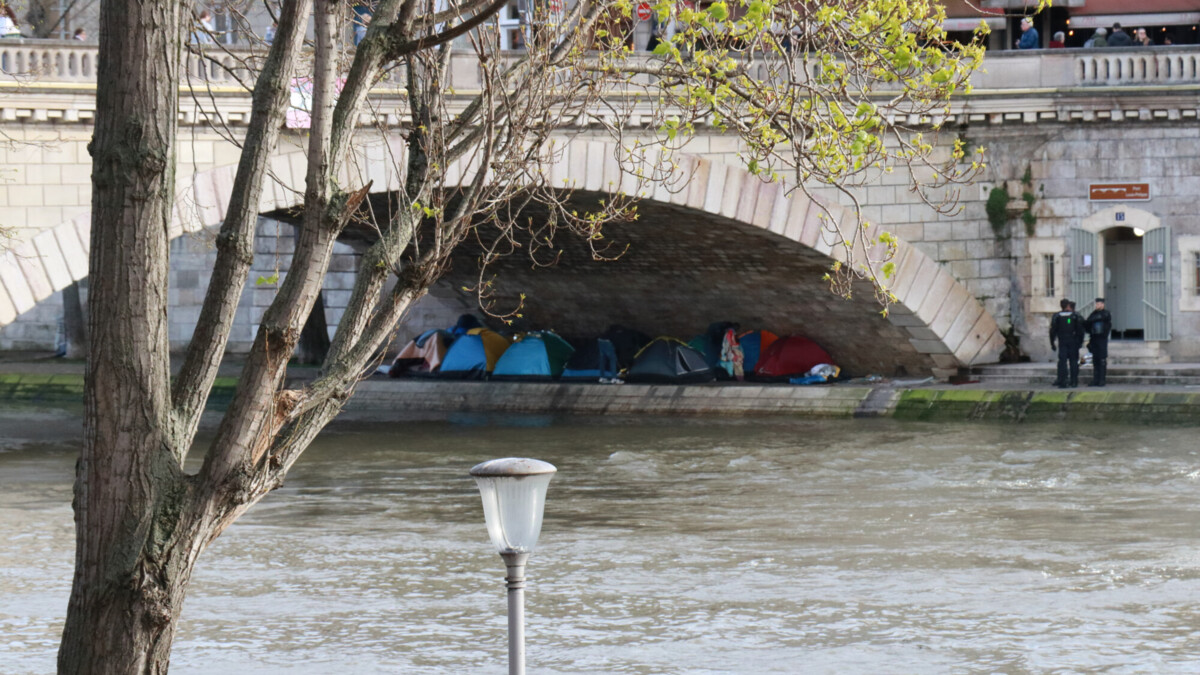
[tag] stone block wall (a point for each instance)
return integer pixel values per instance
(1067, 158)
(44, 180)
(192, 258)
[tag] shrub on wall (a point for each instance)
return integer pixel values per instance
(997, 211)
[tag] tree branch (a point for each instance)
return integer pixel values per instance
(248, 425)
(404, 47)
(235, 243)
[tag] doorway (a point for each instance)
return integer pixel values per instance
(1124, 282)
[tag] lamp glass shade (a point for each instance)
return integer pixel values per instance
(513, 505)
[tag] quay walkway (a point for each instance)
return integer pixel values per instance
(29, 380)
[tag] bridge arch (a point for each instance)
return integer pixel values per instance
(936, 326)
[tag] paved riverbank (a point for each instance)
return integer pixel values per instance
(60, 385)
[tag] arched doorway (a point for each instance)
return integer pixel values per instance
(1124, 255)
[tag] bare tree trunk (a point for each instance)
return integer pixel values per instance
(314, 338)
(74, 322)
(128, 585)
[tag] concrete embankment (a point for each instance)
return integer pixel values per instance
(384, 400)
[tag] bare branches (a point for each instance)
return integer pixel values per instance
(235, 243)
(823, 95)
(404, 47)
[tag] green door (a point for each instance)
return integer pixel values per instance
(1156, 280)
(1084, 263)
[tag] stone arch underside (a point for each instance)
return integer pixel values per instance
(726, 247)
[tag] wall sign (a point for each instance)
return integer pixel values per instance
(1104, 192)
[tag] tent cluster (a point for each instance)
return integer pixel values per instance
(472, 351)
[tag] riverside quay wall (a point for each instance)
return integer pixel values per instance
(1098, 152)
(381, 400)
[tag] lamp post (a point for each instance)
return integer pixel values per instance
(514, 496)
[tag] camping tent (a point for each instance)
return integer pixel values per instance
(754, 343)
(473, 355)
(423, 354)
(706, 348)
(593, 361)
(709, 342)
(789, 356)
(535, 356)
(670, 361)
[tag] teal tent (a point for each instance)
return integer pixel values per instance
(535, 356)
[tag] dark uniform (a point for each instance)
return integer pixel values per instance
(1099, 326)
(1067, 329)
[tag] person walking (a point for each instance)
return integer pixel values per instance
(1098, 39)
(1099, 326)
(1029, 35)
(360, 19)
(9, 28)
(1118, 37)
(202, 32)
(1066, 328)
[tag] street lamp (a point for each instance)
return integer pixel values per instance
(514, 496)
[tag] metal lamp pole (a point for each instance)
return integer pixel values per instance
(516, 610)
(514, 497)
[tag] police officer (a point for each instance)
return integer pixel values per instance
(1099, 326)
(1067, 329)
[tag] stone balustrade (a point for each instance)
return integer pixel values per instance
(1144, 67)
(69, 61)
(48, 60)
(1067, 68)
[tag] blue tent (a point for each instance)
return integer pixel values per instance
(474, 355)
(536, 356)
(595, 360)
(754, 343)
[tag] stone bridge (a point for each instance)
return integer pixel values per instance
(727, 247)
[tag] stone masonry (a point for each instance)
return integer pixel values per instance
(716, 246)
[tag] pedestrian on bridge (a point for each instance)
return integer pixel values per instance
(1099, 326)
(1066, 328)
(9, 28)
(1118, 37)
(1029, 35)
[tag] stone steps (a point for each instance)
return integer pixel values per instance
(1022, 374)
(1135, 352)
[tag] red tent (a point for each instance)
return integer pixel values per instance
(790, 356)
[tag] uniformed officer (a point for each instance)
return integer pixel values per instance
(1099, 326)
(1067, 329)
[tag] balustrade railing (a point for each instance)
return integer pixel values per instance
(48, 59)
(1143, 67)
(69, 61)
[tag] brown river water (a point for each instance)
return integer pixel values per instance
(671, 547)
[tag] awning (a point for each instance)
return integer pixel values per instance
(961, 16)
(1135, 20)
(995, 23)
(1027, 6)
(1150, 7)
